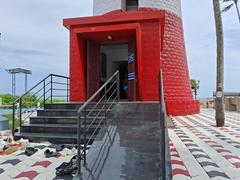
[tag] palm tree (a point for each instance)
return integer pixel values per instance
(219, 106)
(195, 86)
(233, 2)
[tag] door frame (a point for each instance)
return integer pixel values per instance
(108, 28)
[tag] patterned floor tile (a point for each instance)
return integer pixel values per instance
(215, 149)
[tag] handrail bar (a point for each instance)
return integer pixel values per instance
(56, 75)
(115, 82)
(82, 116)
(40, 90)
(166, 173)
(96, 93)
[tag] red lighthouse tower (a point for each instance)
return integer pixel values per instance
(138, 38)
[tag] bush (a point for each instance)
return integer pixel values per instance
(7, 99)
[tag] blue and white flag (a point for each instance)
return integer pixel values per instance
(131, 58)
(131, 76)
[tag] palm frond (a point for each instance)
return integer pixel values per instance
(227, 8)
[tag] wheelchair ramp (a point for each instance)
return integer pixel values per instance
(129, 146)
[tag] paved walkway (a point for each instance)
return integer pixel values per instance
(201, 151)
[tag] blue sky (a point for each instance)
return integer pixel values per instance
(33, 37)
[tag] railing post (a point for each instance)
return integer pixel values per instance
(105, 105)
(67, 90)
(85, 138)
(44, 93)
(79, 174)
(13, 119)
(20, 111)
(118, 87)
(51, 88)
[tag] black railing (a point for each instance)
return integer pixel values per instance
(53, 88)
(166, 167)
(93, 113)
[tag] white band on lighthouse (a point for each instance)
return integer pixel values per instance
(173, 6)
(101, 7)
(104, 6)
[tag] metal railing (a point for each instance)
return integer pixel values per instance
(166, 169)
(93, 113)
(52, 88)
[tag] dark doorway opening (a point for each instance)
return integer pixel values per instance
(113, 58)
(123, 71)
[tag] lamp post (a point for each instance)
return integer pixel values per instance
(15, 71)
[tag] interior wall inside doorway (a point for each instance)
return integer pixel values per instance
(115, 54)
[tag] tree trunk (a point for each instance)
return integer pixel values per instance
(219, 105)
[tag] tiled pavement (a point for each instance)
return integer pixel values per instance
(201, 151)
(37, 167)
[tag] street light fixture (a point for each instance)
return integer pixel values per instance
(15, 71)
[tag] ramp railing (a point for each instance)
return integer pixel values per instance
(93, 113)
(166, 167)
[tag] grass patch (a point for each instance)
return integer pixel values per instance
(9, 117)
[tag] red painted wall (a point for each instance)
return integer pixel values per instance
(177, 89)
(77, 68)
(160, 43)
(150, 41)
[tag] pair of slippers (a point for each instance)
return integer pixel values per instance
(67, 168)
(30, 151)
(49, 153)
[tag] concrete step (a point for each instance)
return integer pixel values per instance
(51, 137)
(74, 105)
(58, 128)
(61, 120)
(68, 112)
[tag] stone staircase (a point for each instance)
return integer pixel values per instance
(57, 123)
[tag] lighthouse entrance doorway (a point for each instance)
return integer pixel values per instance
(117, 57)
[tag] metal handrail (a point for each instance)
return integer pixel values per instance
(164, 146)
(83, 114)
(40, 90)
(96, 93)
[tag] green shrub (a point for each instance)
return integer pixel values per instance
(7, 99)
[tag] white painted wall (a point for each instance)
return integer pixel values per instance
(105, 6)
(173, 6)
(115, 53)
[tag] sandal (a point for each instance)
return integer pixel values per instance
(30, 151)
(67, 168)
(49, 153)
(60, 148)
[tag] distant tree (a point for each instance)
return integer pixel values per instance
(229, 6)
(195, 86)
(7, 99)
